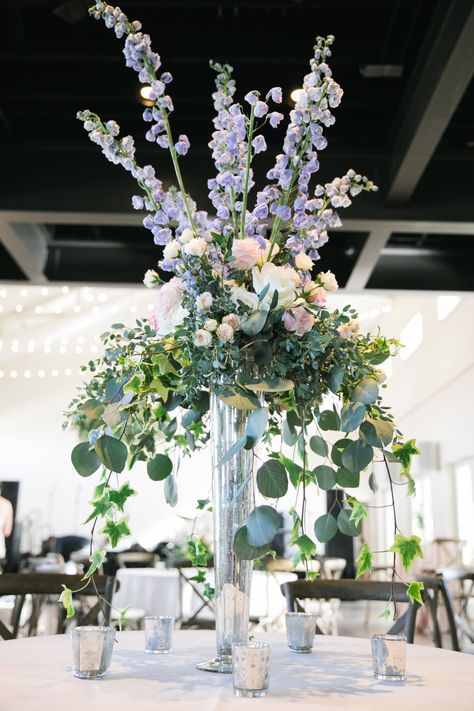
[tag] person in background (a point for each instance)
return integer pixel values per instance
(6, 525)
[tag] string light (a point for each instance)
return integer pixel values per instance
(102, 297)
(77, 309)
(23, 292)
(95, 310)
(27, 374)
(41, 373)
(386, 309)
(1, 373)
(13, 374)
(81, 339)
(296, 94)
(68, 371)
(64, 341)
(78, 350)
(55, 373)
(15, 346)
(18, 308)
(65, 290)
(63, 350)
(47, 350)
(44, 291)
(38, 309)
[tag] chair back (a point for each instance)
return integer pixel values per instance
(41, 584)
(353, 590)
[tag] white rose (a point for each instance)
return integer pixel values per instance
(246, 253)
(303, 262)
(328, 280)
(233, 320)
(263, 257)
(210, 324)
(279, 279)
(204, 301)
(171, 250)
(150, 279)
(225, 332)
(195, 247)
(239, 293)
(169, 311)
(202, 338)
(186, 235)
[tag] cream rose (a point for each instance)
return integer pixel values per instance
(328, 280)
(204, 301)
(245, 252)
(171, 250)
(196, 247)
(202, 338)
(210, 324)
(279, 279)
(233, 320)
(303, 262)
(186, 235)
(249, 298)
(150, 279)
(225, 332)
(318, 297)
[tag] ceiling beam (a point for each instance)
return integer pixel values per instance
(368, 258)
(26, 244)
(439, 80)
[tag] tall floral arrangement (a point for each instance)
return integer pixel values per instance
(245, 309)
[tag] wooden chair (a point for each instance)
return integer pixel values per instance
(437, 595)
(39, 585)
(353, 590)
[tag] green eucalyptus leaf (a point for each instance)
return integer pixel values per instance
(337, 450)
(294, 470)
(325, 477)
(357, 456)
(171, 490)
(336, 376)
(112, 453)
(329, 420)
(288, 434)
(262, 526)
(160, 467)
(236, 447)
(84, 460)
(92, 409)
(374, 487)
(243, 549)
(369, 435)
(325, 528)
(367, 391)
(272, 481)
(256, 425)
(255, 323)
(384, 430)
(347, 479)
(346, 525)
(352, 414)
(319, 446)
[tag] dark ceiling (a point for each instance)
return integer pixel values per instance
(55, 60)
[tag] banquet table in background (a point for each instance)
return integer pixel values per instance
(36, 673)
(158, 591)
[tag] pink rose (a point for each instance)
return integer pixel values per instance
(298, 321)
(246, 252)
(318, 297)
(169, 312)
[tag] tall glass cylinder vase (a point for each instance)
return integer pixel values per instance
(232, 501)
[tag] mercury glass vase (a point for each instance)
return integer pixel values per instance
(232, 501)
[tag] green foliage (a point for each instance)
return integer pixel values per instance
(84, 460)
(171, 491)
(116, 530)
(262, 526)
(414, 592)
(160, 467)
(329, 420)
(357, 456)
(359, 510)
(346, 524)
(325, 528)
(112, 453)
(405, 453)
(66, 599)
(272, 480)
(243, 549)
(367, 391)
(256, 426)
(352, 415)
(325, 477)
(364, 561)
(96, 560)
(306, 545)
(408, 549)
(319, 446)
(347, 479)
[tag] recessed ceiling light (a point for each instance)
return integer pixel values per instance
(296, 94)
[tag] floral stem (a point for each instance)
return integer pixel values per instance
(247, 172)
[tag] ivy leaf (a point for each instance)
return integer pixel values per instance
(160, 467)
(272, 481)
(84, 460)
(319, 446)
(202, 503)
(385, 614)
(96, 560)
(408, 549)
(112, 453)
(262, 526)
(346, 525)
(414, 592)
(66, 599)
(115, 530)
(367, 391)
(208, 591)
(364, 561)
(101, 507)
(134, 385)
(404, 453)
(306, 545)
(171, 491)
(123, 617)
(411, 488)
(200, 577)
(325, 528)
(359, 510)
(294, 470)
(118, 497)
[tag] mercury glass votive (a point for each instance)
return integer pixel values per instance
(388, 656)
(92, 649)
(300, 631)
(159, 635)
(251, 668)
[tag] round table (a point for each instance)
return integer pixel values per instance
(36, 673)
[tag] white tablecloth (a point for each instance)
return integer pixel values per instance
(36, 674)
(157, 591)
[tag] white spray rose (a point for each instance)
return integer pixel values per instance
(186, 235)
(171, 250)
(204, 301)
(195, 247)
(150, 279)
(202, 338)
(249, 298)
(225, 332)
(328, 280)
(169, 312)
(279, 279)
(233, 320)
(210, 324)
